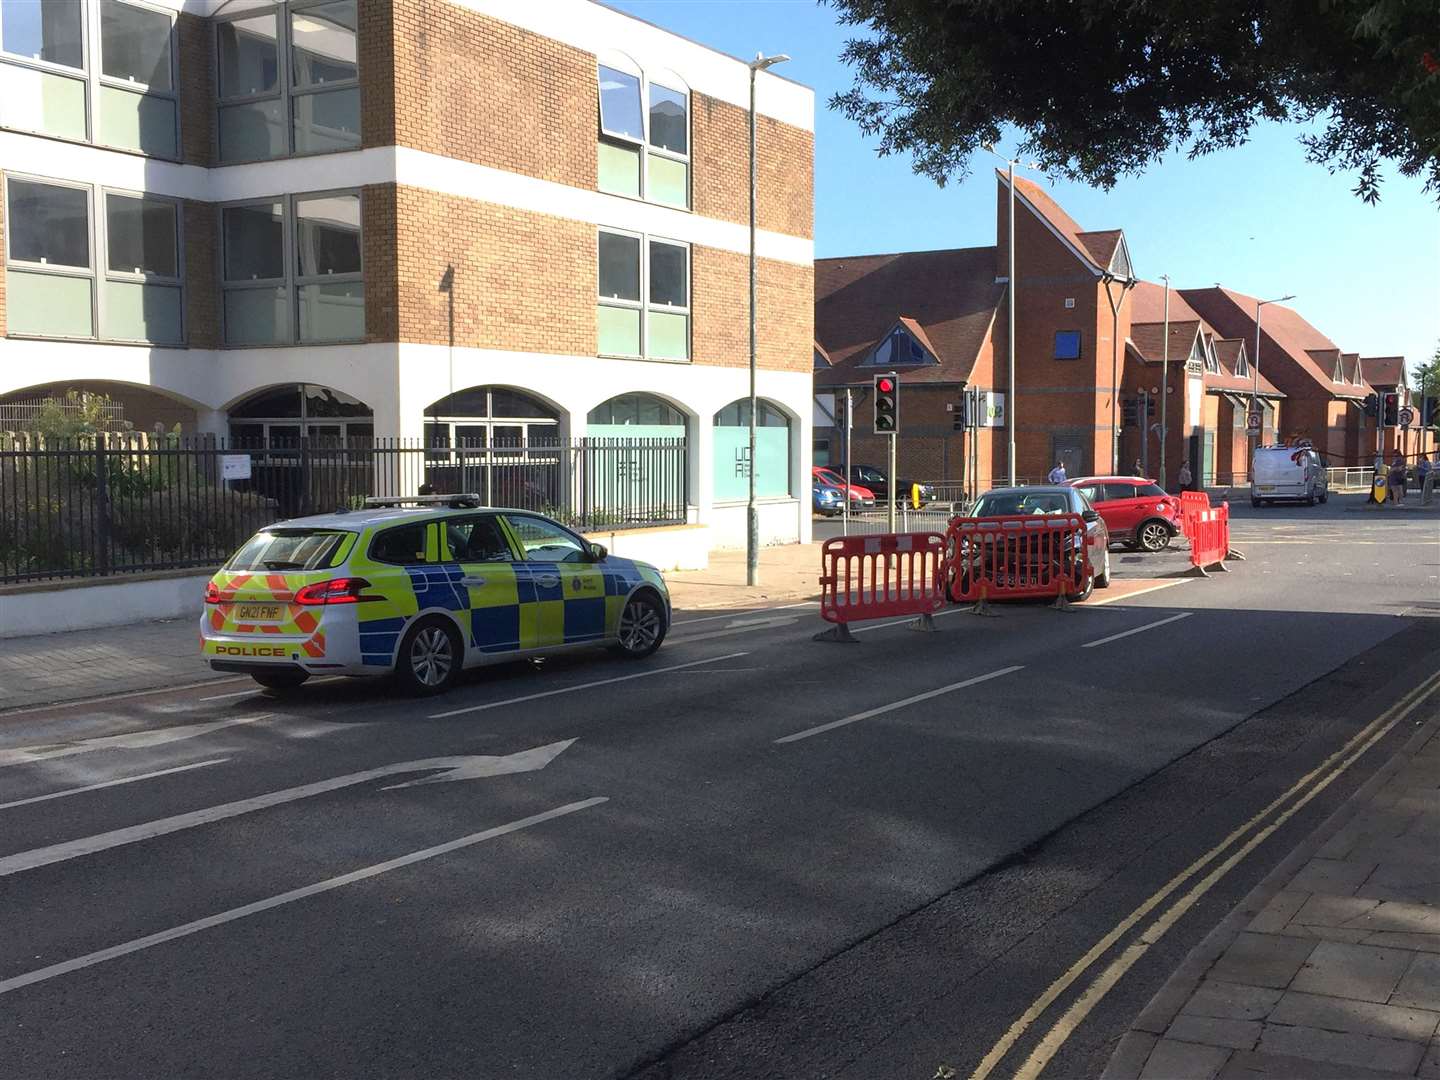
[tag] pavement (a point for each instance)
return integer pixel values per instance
(975, 852)
(50, 668)
(1331, 967)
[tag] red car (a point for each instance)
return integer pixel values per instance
(861, 498)
(1136, 511)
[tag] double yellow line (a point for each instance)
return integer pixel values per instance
(1306, 788)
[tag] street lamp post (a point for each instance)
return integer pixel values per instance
(752, 513)
(1255, 366)
(1164, 384)
(1126, 284)
(1010, 164)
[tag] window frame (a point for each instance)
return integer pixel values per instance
(645, 305)
(103, 272)
(1079, 346)
(644, 145)
(287, 89)
(290, 280)
(91, 75)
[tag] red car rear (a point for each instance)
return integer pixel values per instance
(860, 497)
(1136, 511)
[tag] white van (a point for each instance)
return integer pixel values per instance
(1288, 474)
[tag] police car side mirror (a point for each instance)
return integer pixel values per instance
(598, 553)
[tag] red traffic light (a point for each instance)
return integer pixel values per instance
(885, 385)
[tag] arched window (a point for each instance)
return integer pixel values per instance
(491, 416)
(636, 416)
(644, 147)
(732, 451)
(498, 443)
(279, 416)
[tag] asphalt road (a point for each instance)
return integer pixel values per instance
(686, 867)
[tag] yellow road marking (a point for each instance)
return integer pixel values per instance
(1138, 592)
(1060, 985)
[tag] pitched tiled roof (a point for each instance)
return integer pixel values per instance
(819, 349)
(949, 297)
(1148, 339)
(1227, 351)
(1147, 304)
(1096, 248)
(1384, 370)
(1233, 315)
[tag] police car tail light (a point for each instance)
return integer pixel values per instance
(336, 591)
(212, 593)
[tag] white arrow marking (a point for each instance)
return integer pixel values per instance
(186, 929)
(456, 768)
(132, 740)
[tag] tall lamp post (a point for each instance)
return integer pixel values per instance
(1255, 367)
(1164, 384)
(1126, 284)
(1010, 164)
(752, 513)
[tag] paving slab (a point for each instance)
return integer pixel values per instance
(1171, 1060)
(1232, 1001)
(1420, 985)
(1265, 960)
(1342, 1048)
(1363, 972)
(1361, 1017)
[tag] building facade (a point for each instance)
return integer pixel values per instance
(467, 222)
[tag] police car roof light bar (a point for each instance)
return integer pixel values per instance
(457, 501)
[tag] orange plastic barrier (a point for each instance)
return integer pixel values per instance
(1210, 537)
(870, 577)
(1003, 558)
(1191, 503)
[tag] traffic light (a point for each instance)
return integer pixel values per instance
(1372, 405)
(1392, 409)
(1129, 410)
(887, 404)
(1429, 411)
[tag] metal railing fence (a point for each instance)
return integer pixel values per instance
(109, 504)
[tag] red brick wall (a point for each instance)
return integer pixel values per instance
(784, 167)
(194, 48)
(376, 47)
(720, 311)
(202, 318)
(380, 259)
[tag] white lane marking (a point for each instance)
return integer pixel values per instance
(907, 621)
(186, 929)
(6, 713)
(732, 631)
(752, 611)
(1136, 630)
(582, 686)
(457, 768)
(110, 783)
(130, 740)
(833, 724)
(261, 689)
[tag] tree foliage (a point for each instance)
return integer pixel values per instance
(1103, 88)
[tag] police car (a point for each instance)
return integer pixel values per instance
(422, 587)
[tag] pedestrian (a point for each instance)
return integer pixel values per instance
(1397, 480)
(1427, 475)
(1139, 468)
(1185, 478)
(1057, 474)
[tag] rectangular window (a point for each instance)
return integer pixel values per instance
(49, 83)
(1067, 344)
(49, 277)
(644, 138)
(291, 93)
(644, 301)
(292, 270)
(141, 295)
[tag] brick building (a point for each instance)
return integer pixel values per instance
(428, 219)
(1089, 333)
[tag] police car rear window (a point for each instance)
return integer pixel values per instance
(278, 550)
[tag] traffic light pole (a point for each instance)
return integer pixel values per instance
(845, 527)
(894, 486)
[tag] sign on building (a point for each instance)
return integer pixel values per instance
(991, 408)
(235, 466)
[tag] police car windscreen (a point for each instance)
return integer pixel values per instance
(289, 549)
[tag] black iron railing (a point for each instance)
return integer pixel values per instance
(122, 504)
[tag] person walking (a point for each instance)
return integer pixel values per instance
(1427, 475)
(1185, 478)
(1057, 474)
(1397, 480)
(1139, 468)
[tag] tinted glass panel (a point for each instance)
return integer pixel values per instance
(138, 312)
(48, 224)
(1149, 489)
(50, 305)
(136, 121)
(135, 44)
(249, 59)
(544, 542)
(140, 236)
(254, 242)
(471, 402)
(292, 549)
(327, 121)
(620, 103)
(323, 401)
(476, 540)
(513, 403)
(323, 43)
(667, 120)
(620, 266)
(668, 283)
(1114, 492)
(252, 132)
(256, 316)
(405, 545)
(42, 101)
(332, 312)
(327, 235)
(43, 31)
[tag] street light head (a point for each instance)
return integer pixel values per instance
(762, 62)
(988, 146)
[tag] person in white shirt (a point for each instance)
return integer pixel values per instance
(1185, 477)
(1057, 474)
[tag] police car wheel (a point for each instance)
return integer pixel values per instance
(429, 660)
(642, 627)
(284, 679)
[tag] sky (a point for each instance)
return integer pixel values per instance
(1259, 218)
